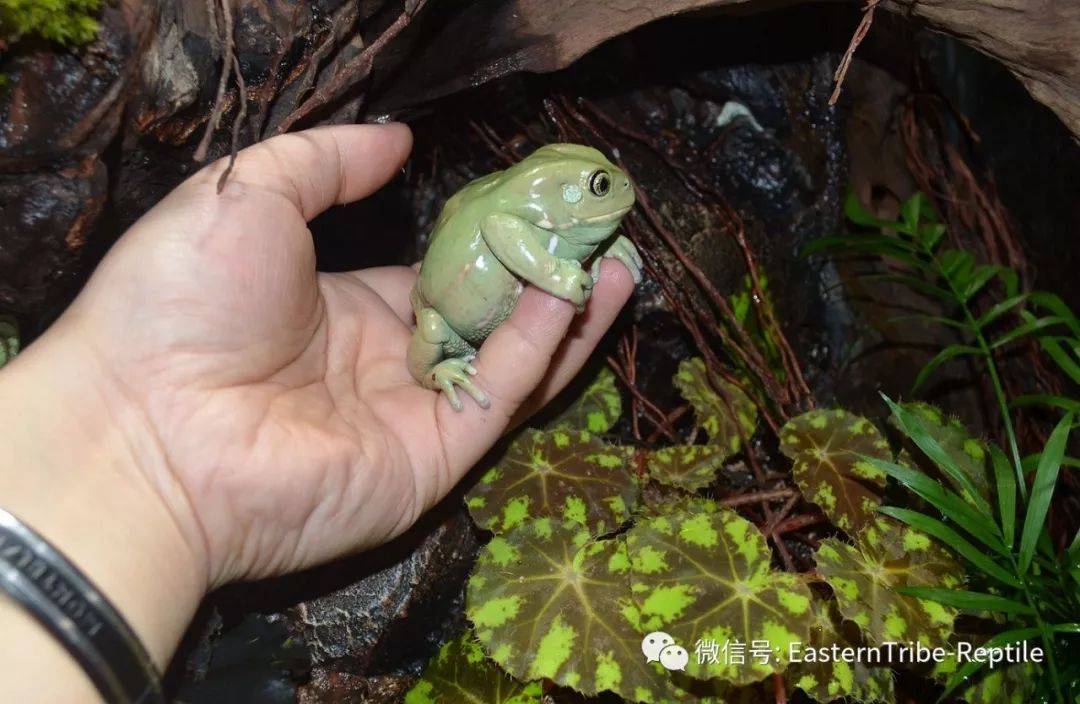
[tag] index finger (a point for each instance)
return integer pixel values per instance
(530, 350)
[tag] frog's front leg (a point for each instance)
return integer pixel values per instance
(427, 348)
(522, 248)
(623, 250)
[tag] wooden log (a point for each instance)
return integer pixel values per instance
(1038, 40)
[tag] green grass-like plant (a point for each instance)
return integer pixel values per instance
(983, 509)
(914, 246)
(1015, 571)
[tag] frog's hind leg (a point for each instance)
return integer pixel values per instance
(428, 363)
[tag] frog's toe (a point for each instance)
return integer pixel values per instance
(468, 386)
(452, 374)
(452, 395)
(632, 259)
(479, 396)
(635, 254)
(629, 258)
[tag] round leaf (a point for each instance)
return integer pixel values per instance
(836, 678)
(547, 601)
(888, 554)
(827, 448)
(727, 417)
(460, 673)
(596, 410)
(1004, 684)
(689, 467)
(568, 475)
(705, 578)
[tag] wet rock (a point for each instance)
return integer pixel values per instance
(762, 136)
(330, 687)
(252, 661)
(133, 103)
(63, 105)
(394, 617)
(60, 112)
(45, 217)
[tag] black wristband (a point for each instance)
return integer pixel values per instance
(64, 601)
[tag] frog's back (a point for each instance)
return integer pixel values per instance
(467, 194)
(452, 237)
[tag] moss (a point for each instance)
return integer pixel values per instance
(68, 22)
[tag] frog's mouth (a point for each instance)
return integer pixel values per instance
(606, 217)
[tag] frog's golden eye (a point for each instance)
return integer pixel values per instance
(600, 183)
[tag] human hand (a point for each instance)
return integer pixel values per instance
(265, 410)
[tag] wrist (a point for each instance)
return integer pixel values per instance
(76, 465)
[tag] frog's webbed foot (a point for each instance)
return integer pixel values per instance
(430, 343)
(623, 250)
(451, 373)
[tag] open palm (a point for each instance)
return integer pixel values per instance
(270, 405)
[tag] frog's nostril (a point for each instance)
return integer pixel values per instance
(626, 184)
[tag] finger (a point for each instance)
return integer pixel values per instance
(317, 168)
(518, 357)
(390, 283)
(613, 289)
(510, 364)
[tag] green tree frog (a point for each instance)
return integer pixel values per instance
(537, 222)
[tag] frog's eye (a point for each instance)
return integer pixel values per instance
(600, 183)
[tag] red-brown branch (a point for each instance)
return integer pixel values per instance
(759, 497)
(676, 414)
(349, 73)
(238, 123)
(799, 522)
(856, 39)
(734, 227)
(655, 414)
(227, 63)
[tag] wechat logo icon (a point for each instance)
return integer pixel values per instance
(660, 647)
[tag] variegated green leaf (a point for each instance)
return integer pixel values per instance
(9, 339)
(462, 674)
(569, 475)
(1003, 684)
(1010, 684)
(969, 454)
(827, 448)
(548, 601)
(726, 415)
(836, 678)
(689, 467)
(888, 554)
(596, 410)
(704, 576)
